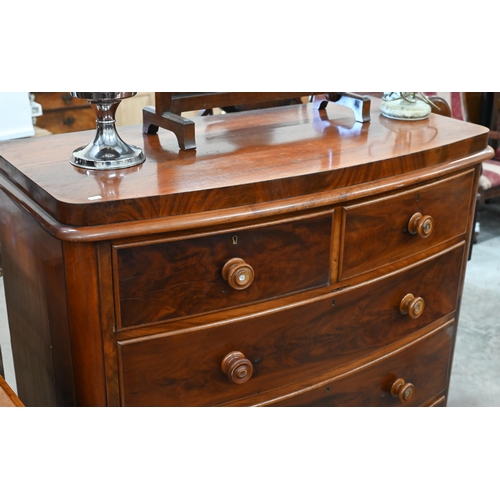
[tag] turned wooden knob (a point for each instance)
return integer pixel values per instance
(401, 390)
(413, 306)
(423, 225)
(237, 368)
(238, 274)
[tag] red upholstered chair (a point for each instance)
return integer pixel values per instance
(481, 108)
(489, 184)
(466, 106)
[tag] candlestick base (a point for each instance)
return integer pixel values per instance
(107, 151)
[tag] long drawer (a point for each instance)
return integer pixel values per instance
(159, 281)
(384, 230)
(290, 345)
(416, 375)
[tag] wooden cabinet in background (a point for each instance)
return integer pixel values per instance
(297, 257)
(63, 113)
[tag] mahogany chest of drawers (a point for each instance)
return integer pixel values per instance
(295, 258)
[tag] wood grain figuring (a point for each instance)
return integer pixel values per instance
(85, 324)
(288, 346)
(162, 281)
(384, 223)
(297, 257)
(425, 363)
(36, 305)
(236, 163)
(106, 308)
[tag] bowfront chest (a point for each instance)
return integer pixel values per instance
(296, 257)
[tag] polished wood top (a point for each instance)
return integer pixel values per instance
(242, 159)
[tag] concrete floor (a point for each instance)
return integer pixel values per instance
(6, 362)
(475, 379)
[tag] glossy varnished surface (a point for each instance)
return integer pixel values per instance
(425, 363)
(36, 305)
(384, 223)
(291, 346)
(171, 279)
(133, 307)
(241, 159)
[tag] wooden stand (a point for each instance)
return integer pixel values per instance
(169, 106)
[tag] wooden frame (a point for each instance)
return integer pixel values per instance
(170, 105)
(7, 396)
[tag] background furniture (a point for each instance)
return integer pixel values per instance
(489, 183)
(482, 108)
(297, 257)
(63, 113)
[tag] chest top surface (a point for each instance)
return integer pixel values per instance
(241, 159)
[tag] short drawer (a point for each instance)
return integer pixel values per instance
(58, 100)
(67, 120)
(382, 231)
(287, 346)
(160, 281)
(412, 376)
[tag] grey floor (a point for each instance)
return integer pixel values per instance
(7, 362)
(475, 378)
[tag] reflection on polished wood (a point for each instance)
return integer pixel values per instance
(236, 157)
(123, 289)
(169, 107)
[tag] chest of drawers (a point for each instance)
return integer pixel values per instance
(295, 258)
(64, 113)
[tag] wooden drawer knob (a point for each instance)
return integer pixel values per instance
(423, 225)
(67, 98)
(238, 274)
(401, 390)
(68, 120)
(413, 306)
(237, 368)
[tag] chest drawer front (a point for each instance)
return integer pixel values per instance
(173, 279)
(58, 100)
(288, 346)
(420, 370)
(377, 233)
(67, 120)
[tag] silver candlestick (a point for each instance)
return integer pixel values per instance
(107, 151)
